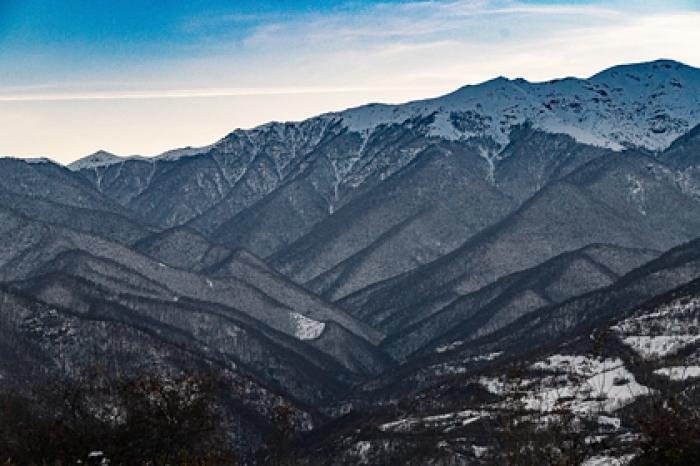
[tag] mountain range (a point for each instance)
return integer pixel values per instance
(359, 258)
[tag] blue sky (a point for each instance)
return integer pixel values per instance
(144, 76)
(67, 38)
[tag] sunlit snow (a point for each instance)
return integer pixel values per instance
(307, 328)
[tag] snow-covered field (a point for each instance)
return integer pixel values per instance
(663, 333)
(580, 384)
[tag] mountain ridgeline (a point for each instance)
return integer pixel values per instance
(358, 258)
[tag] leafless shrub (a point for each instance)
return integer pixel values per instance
(147, 420)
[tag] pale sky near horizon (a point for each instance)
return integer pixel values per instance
(145, 76)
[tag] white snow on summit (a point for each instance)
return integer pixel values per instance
(176, 154)
(100, 158)
(103, 158)
(643, 105)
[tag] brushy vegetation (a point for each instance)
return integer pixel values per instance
(177, 420)
(147, 420)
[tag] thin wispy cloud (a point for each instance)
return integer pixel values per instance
(417, 19)
(465, 42)
(188, 93)
(372, 47)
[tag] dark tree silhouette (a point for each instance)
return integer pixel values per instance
(149, 420)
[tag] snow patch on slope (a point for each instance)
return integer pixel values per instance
(579, 384)
(608, 389)
(306, 328)
(608, 461)
(678, 373)
(459, 418)
(660, 346)
(664, 332)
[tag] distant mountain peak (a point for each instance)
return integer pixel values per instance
(97, 159)
(660, 66)
(176, 154)
(102, 158)
(35, 160)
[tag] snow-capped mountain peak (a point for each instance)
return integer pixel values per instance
(176, 154)
(641, 105)
(100, 158)
(658, 71)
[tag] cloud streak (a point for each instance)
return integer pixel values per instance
(419, 19)
(191, 93)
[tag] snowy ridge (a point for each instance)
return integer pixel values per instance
(36, 160)
(103, 158)
(176, 154)
(100, 158)
(643, 105)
